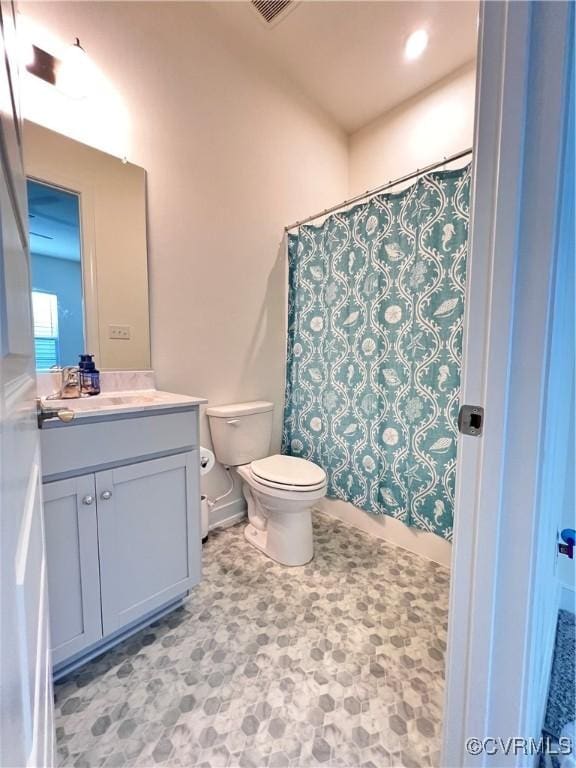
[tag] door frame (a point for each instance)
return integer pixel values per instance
(501, 592)
(26, 697)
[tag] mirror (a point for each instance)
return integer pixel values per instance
(87, 232)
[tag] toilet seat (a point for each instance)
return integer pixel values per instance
(293, 490)
(288, 473)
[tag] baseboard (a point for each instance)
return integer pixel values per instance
(223, 515)
(420, 543)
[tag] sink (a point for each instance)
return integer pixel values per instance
(99, 401)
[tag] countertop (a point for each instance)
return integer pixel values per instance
(129, 401)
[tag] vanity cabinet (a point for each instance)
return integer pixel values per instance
(123, 540)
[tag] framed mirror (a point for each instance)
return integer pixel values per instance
(87, 233)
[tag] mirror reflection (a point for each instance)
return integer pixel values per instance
(55, 248)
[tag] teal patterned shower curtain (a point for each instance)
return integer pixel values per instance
(376, 300)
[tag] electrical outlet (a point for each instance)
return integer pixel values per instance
(120, 332)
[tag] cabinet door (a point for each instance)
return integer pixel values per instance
(72, 560)
(149, 536)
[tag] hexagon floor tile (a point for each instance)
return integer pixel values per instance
(337, 663)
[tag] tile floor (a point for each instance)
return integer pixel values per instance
(337, 663)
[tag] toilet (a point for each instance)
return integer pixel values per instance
(280, 490)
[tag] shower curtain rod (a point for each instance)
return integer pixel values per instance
(377, 190)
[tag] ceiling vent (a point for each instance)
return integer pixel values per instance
(273, 11)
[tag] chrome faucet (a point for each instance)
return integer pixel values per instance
(69, 383)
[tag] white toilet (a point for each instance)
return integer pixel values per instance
(280, 490)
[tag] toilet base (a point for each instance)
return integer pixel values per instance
(260, 540)
(280, 522)
(255, 537)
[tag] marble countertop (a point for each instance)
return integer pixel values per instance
(121, 402)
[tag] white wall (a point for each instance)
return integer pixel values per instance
(233, 154)
(433, 124)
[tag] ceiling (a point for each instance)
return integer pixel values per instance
(348, 57)
(53, 221)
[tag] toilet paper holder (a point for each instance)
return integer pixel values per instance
(207, 460)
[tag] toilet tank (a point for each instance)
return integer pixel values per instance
(241, 432)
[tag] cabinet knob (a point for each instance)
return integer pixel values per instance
(106, 495)
(88, 500)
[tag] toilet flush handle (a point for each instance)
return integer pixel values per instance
(233, 422)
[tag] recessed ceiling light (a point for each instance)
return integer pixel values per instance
(416, 44)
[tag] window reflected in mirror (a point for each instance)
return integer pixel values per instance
(57, 298)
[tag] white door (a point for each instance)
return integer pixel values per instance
(504, 592)
(26, 724)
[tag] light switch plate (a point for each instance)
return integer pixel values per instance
(121, 332)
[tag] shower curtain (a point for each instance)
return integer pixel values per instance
(376, 299)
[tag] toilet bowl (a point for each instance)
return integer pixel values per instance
(280, 491)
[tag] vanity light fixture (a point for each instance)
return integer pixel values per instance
(416, 44)
(72, 76)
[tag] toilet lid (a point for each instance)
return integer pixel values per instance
(288, 471)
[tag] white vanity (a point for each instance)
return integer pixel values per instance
(121, 514)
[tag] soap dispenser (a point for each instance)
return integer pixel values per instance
(89, 376)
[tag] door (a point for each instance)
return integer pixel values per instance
(149, 536)
(73, 570)
(26, 725)
(504, 592)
